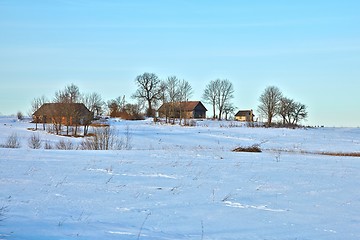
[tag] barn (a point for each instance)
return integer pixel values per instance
(188, 109)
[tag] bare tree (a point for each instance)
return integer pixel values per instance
(218, 93)
(292, 112)
(116, 106)
(300, 113)
(210, 94)
(286, 108)
(176, 93)
(228, 109)
(94, 103)
(171, 96)
(185, 92)
(70, 94)
(225, 93)
(269, 103)
(134, 110)
(148, 90)
(35, 105)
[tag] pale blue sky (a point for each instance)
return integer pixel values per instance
(310, 49)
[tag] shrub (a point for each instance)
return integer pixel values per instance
(3, 210)
(104, 138)
(48, 145)
(128, 138)
(20, 116)
(65, 145)
(12, 142)
(34, 141)
(253, 148)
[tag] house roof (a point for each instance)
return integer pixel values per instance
(60, 109)
(123, 115)
(244, 112)
(185, 106)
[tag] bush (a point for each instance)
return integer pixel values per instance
(12, 142)
(104, 138)
(3, 210)
(34, 141)
(20, 116)
(65, 145)
(128, 138)
(48, 145)
(253, 148)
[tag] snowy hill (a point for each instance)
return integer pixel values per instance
(182, 183)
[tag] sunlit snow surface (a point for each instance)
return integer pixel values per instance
(183, 183)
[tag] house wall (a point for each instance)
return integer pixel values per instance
(199, 114)
(245, 117)
(241, 118)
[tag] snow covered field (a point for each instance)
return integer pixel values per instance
(183, 183)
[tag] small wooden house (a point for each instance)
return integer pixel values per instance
(189, 109)
(245, 116)
(64, 113)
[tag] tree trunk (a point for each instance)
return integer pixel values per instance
(214, 111)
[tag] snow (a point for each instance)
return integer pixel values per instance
(183, 183)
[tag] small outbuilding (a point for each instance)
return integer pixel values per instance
(188, 109)
(245, 116)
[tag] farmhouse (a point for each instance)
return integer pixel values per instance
(189, 109)
(63, 113)
(245, 116)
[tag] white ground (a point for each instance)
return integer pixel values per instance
(183, 183)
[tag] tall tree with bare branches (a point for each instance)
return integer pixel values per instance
(35, 105)
(94, 102)
(210, 94)
(225, 93)
(218, 93)
(70, 94)
(269, 103)
(148, 90)
(185, 92)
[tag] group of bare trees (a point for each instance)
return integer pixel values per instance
(119, 107)
(67, 111)
(175, 93)
(153, 91)
(218, 93)
(273, 103)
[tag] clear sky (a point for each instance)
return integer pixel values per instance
(310, 49)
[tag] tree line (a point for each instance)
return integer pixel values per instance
(152, 92)
(273, 103)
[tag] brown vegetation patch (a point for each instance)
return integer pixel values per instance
(99, 125)
(334, 154)
(253, 148)
(341, 154)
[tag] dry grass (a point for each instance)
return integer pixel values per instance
(334, 154)
(99, 125)
(341, 154)
(253, 148)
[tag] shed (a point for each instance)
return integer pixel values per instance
(245, 116)
(188, 109)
